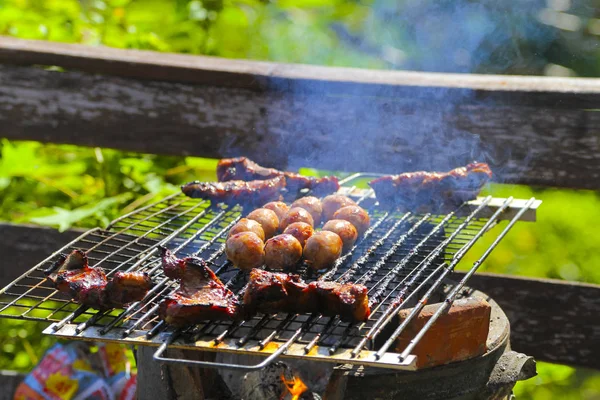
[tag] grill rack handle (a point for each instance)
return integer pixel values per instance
(158, 356)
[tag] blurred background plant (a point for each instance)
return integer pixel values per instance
(63, 186)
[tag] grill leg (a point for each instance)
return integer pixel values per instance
(175, 382)
(336, 388)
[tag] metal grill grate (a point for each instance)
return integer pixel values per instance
(403, 258)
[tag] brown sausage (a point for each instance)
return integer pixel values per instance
(282, 252)
(345, 230)
(300, 230)
(312, 205)
(267, 219)
(322, 249)
(296, 214)
(279, 207)
(245, 250)
(334, 202)
(248, 225)
(356, 215)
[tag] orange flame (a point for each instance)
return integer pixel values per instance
(295, 387)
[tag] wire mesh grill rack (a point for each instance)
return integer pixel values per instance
(404, 259)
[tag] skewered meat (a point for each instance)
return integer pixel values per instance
(236, 192)
(282, 252)
(344, 229)
(127, 287)
(244, 169)
(334, 202)
(267, 219)
(201, 294)
(296, 214)
(270, 292)
(432, 190)
(322, 249)
(300, 230)
(245, 250)
(279, 207)
(312, 205)
(356, 215)
(89, 286)
(172, 266)
(248, 225)
(348, 300)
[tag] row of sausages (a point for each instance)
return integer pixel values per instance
(254, 241)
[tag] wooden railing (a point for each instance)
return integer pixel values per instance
(540, 131)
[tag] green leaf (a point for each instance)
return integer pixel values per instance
(64, 219)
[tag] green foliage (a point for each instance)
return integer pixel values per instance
(560, 382)
(66, 185)
(22, 344)
(561, 244)
(241, 29)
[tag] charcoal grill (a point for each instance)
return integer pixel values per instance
(404, 258)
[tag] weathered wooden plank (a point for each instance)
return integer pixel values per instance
(260, 75)
(288, 129)
(551, 320)
(23, 246)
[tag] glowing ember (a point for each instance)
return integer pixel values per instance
(295, 387)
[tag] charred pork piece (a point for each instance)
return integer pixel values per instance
(250, 193)
(244, 169)
(417, 191)
(270, 293)
(172, 266)
(89, 286)
(201, 294)
(348, 300)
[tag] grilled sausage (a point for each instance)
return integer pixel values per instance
(245, 250)
(345, 230)
(312, 205)
(279, 207)
(322, 249)
(334, 202)
(300, 230)
(296, 214)
(282, 252)
(248, 225)
(267, 219)
(356, 215)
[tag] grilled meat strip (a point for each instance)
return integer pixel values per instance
(250, 193)
(89, 286)
(201, 294)
(432, 190)
(270, 292)
(241, 168)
